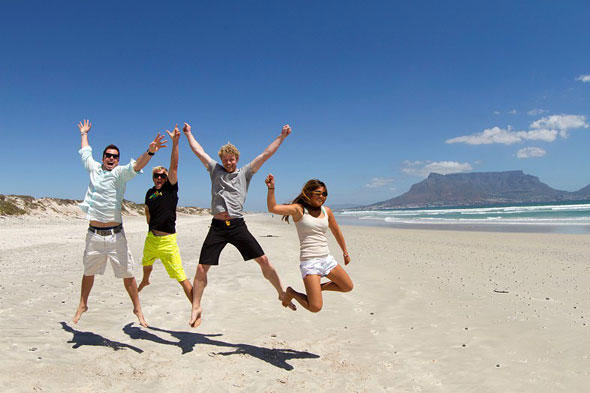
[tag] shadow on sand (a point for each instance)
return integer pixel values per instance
(187, 341)
(93, 339)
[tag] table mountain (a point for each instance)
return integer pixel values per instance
(479, 188)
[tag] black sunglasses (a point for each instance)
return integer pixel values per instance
(109, 155)
(160, 175)
(318, 193)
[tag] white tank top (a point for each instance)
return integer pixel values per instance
(313, 242)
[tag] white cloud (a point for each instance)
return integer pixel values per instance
(537, 111)
(424, 168)
(545, 129)
(513, 112)
(496, 112)
(489, 136)
(583, 78)
(378, 182)
(561, 123)
(529, 152)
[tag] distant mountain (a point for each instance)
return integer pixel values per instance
(483, 188)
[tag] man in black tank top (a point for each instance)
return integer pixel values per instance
(160, 211)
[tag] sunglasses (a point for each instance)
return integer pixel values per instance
(318, 193)
(160, 175)
(109, 155)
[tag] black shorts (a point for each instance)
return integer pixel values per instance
(234, 232)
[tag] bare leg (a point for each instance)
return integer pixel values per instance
(312, 301)
(188, 289)
(339, 281)
(131, 287)
(269, 272)
(86, 287)
(145, 281)
(199, 285)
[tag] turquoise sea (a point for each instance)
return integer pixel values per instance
(557, 217)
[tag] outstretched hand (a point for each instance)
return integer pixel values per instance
(285, 131)
(157, 144)
(175, 134)
(187, 128)
(85, 126)
(270, 181)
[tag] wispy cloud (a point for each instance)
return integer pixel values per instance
(545, 129)
(529, 152)
(378, 182)
(584, 78)
(512, 112)
(537, 112)
(424, 168)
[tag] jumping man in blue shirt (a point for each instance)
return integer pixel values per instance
(105, 238)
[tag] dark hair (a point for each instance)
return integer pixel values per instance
(110, 147)
(303, 197)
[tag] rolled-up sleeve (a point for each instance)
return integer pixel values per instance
(127, 172)
(86, 157)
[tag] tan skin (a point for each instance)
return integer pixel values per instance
(230, 164)
(160, 177)
(110, 160)
(312, 300)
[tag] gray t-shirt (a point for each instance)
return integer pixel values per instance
(228, 190)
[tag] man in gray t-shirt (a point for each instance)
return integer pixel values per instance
(229, 187)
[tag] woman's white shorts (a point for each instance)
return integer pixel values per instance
(320, 266)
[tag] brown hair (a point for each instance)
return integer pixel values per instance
(304, 196)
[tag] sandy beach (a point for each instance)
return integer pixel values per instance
(431, 311)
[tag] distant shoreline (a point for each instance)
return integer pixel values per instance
(469, 227)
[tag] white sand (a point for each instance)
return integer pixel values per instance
(423, 317)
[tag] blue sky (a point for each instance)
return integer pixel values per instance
(378, 93)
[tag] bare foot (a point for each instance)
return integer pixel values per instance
(79, 311)
(286, 297)
(140, 317)
(196, 316)
(142, 284)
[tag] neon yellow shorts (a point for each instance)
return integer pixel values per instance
(164, 248)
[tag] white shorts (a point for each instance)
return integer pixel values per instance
(320, 266)
(113, 248)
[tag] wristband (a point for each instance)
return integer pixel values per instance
(150, 153)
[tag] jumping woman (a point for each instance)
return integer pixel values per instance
(312, 220)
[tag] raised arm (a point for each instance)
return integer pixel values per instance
(173, 170)
(84, 127)
(335, 229)
(271, 203)
(271, 149)
(195, 146)
(156, 145)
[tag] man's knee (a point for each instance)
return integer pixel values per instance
(201, 274)
(263, 261)
(347, 287)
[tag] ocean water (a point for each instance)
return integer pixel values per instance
(548, 217)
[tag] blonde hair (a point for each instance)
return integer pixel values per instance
(228, 148)
(158, 169)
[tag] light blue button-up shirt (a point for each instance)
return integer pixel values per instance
(104, 196)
